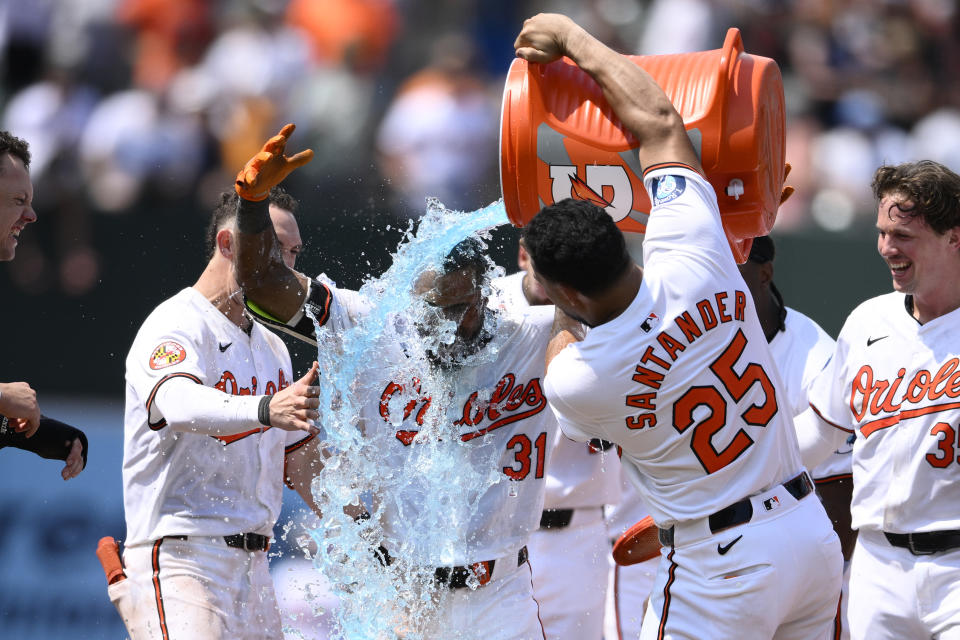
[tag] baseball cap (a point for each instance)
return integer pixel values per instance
(762, 250)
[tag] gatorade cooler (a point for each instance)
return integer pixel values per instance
(560, 139)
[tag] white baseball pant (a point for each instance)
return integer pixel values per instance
(895, 594)
(196, 588)
(570, 567)
(777, 576)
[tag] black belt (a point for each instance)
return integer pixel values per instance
(927, 543)
(457, 577)
(740, 512)
(556, 518)
(245, 541)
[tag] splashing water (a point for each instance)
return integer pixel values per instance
(422, 500)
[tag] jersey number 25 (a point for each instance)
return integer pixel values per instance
(736, 385)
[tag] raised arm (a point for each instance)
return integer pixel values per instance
(260, 270)
(635, 97)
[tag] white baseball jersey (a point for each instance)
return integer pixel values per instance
(683, 379)
(183, 483)
(801, 351)
(515, 419)
(579, 475)
(895, 383)
(569, 563)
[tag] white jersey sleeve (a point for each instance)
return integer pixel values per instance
(187, 406)
(801, 351)
(168, 350)
(684, 224)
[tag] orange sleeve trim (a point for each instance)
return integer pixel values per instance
(240, 436)
(670, 165)
(836, 426)
(296, 445)
(156, 426)
(834, 478)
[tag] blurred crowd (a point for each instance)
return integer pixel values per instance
(126, 102)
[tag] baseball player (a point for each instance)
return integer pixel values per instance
(569, 551)
(485, 581)
(214, 422)
(676, 371)
(801, 350)
(21, 424)
(892, 382)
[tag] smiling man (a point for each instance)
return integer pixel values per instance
(893, 382)
(16, 193)
(21, 425)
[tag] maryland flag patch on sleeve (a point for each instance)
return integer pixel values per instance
(167, 354)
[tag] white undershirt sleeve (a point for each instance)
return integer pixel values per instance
(195, 408)
(817, 438)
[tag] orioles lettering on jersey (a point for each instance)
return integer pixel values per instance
(228, 384)
(511, 400)
(707, 314)
(879, 397)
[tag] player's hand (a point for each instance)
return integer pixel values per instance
(18, 401)
(295, 408)
(269, 167)
(74, 460)
(544, 37)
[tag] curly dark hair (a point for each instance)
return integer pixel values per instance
(576, 243)
(226, 212)
(933, 189)
(469, 253)
(16, 147)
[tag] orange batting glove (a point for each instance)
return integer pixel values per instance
(269, 167)
(108, 552)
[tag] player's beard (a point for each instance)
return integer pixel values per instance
(447, 357)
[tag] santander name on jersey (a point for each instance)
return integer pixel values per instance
(656, 360)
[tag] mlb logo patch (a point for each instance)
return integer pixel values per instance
(771, 503)
(669, 188)
(652, 321)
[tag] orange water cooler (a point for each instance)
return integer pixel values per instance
(559, 138)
